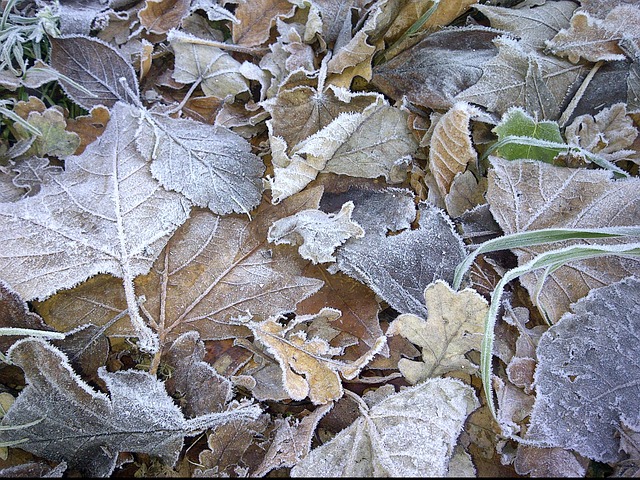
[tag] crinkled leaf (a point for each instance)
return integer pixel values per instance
(160, 16)
(308, 368)
(87, 429)
(451, 148)
(212, 166)
(454, 327)
(531, 195)
(435, 70)
(533, 24)
(317, 233)
(211, 271)
(375, 142)
(105, 213)
(98, 67)
(585, 380)
(399, 267)
(517, 77)
(410, 433)
(597, 39)
(196, 61)
(517, 122)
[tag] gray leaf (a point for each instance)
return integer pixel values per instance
(87, 429)
(212, 166)
(399, 267)
(98, 67)
(587, 375)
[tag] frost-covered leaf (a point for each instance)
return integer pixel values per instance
(410, 433)
(597, 39)
(211, 271)
(212, 166)
(308, 368)
(317, 233)
(435, 70)
(608, 133)
(531, 195)
(517, 122)
(399, 267)
(196, 61)
(532, 23)
(451, 148)
(96, 66)
(160, 16)
(373, 143)
(255, 19)
(87, 429)
(520, 78)
(105, 213)
(587, 371)
(454, 327)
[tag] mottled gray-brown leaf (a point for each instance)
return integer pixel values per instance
(98, 67)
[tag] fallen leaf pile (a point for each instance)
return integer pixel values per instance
(230, 232)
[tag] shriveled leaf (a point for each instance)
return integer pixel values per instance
(105, 213)
(530, 195)
(435, 70)
(211, 271)
(292, 441)
(199, 387)
(308, 368)
(255, 19)
(517, 122)
(586, 371)
(597, 39)
(410, 433)
(160, 16)
(196, 61)
(317, 233)
(373, 143)
(14, 313)
(520, 78)
(87, 429)
(532, 23)
(548, 462)
(96, 66)
(608, 133)
(451, 148)
(399, 267)
(454, 327)
(212, 166)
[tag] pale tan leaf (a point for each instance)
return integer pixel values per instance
(451, 148)
(454, 327)
(594, 39)
(530, 195)
(409, 433)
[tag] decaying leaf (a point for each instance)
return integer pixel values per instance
(523, 78)
(586, 375)
(317, 233)
(410, 433)
(597, 39)
(454, 327)
(217, 72)
(531, 195)
(398, 267)
(308, 368)
(96, 66)
(86, 428)
(451, 149)
(212, 166)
